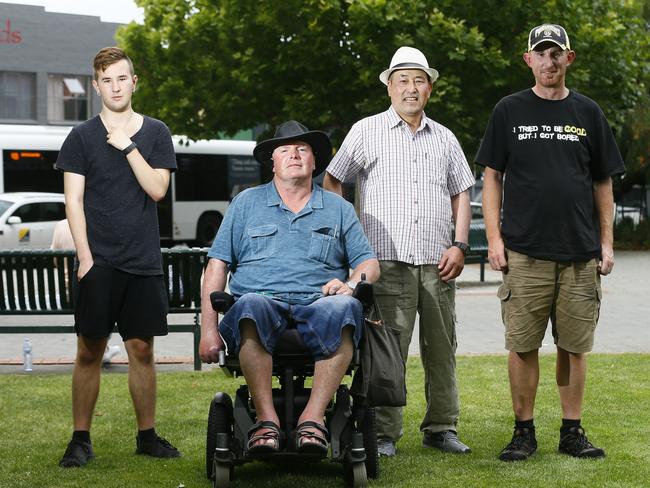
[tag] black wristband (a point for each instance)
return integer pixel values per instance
(129, 148)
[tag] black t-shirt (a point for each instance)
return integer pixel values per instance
(121, 219)
(551, 152)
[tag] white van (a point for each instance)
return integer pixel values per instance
(27, 219)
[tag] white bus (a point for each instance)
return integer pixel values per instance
(210, 173)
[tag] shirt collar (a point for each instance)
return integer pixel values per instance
(394, 120)
(273, 197)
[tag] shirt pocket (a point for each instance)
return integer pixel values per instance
(262, 240)
(322, 245)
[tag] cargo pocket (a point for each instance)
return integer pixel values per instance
(597, 300)
(262, 240)
(504, 293)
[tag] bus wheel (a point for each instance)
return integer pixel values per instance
(207, 228)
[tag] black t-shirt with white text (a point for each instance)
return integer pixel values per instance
(121, 219)
(551, 152)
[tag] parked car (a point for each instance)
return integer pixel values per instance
(27, 219)
(632, 213)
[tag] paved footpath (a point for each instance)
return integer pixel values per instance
(624, 322)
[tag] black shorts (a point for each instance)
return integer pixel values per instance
(106, 296)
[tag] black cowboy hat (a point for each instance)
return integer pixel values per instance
(295, 131)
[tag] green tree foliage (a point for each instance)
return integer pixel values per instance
(219, 66)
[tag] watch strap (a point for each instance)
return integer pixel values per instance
(128, 149)
(462, 246)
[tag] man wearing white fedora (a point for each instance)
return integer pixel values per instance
(414, 182)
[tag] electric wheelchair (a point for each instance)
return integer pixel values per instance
(351, 425)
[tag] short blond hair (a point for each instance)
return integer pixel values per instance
(108, 56)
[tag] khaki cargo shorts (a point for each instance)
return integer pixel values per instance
(534, 291)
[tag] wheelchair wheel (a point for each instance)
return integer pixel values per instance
(369, 430)
(355, 475)
(219, 421)
(222, 474)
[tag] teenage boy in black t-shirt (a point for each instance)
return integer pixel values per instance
(116, 167)
(558, 155)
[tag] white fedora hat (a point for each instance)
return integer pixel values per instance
(408, 58)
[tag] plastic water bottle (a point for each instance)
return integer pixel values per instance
(27, 355)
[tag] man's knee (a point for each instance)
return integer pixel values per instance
(140, 349)
(251, 300)
(90, 351)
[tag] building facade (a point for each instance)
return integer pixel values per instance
(46, 65)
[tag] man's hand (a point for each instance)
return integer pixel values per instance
(210, 346)
(117, 138)
(606, 263)
(336, 287)
(451, 264)
(497, 255)
(84, 267)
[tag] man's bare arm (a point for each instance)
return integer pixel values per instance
(154, 181)
(604, 201)
(453, 260)
(74, 186)
(214, 279)
(369, 267)
(332, 184)
(492, 198)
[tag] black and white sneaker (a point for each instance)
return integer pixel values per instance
(158, 448)
(521, 447)
(574, 442)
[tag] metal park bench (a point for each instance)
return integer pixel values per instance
(34, 282)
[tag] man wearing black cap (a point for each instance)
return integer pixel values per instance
(288, 246)
(558, 155)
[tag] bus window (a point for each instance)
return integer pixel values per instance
(243, 172)
(27, 170)
(201, 177)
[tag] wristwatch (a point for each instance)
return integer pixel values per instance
(462, 246)
(129, 148)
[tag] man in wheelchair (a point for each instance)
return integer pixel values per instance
(288, 246)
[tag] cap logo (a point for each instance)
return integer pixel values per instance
(548, 30)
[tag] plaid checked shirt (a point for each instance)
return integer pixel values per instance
(406, 182)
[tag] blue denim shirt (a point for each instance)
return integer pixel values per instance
(273, 251)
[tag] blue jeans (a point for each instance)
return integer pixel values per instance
(319, 324)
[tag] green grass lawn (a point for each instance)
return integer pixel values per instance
(35, 422)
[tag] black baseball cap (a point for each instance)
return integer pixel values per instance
(548, 33)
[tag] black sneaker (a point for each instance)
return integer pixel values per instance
(521, 447)
(574, 442)
(158, 448)
(77, 454)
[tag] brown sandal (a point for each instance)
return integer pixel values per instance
(273, 434)
(319, 445)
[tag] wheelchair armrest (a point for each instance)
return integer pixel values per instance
(221, 301)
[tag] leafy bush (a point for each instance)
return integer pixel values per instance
(629, 236)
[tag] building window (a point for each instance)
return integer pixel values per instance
(17, 95)
(67, 98)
